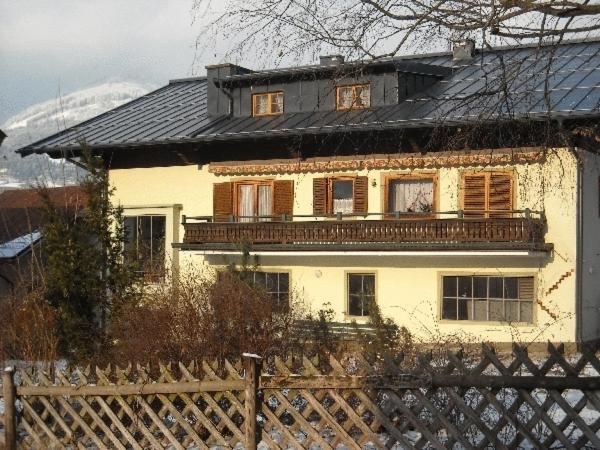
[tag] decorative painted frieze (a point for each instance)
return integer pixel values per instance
(396, 161)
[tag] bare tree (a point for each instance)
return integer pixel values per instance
(380, 28)
(372, 29)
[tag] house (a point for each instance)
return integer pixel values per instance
(21, 232)
(457, 190)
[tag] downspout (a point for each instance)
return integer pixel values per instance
(228, 94)
(579, 255)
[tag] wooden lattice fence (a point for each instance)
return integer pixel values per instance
(356, 401)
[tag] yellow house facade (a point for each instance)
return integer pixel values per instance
(333, 180)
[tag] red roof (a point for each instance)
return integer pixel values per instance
(21, 210)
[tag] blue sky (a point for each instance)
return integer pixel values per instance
(49, 47)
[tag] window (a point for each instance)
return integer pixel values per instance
(488, 298)
(276, 284)
(487, 194)
(145, 244)
(356, 96)
(254, 201)
(410, 195)
(268, 104)
(361, 293)
(251, 199)
(344, 195)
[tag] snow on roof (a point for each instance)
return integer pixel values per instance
(12, 249)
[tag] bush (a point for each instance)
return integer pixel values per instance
(28, 329)
(202, 315)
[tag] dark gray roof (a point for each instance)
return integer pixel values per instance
(504, 83)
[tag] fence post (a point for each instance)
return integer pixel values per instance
(10, 417)
(252, 366)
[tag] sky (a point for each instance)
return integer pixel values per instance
(53, 47)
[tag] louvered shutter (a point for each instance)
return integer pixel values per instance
(474, 194)
(222, 201)
(319, 196)
(500, 194)
(283, 198)
(361, 195)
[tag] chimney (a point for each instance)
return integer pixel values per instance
(331, 60)
(463, 50)
(217, 101)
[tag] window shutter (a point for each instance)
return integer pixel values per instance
(222, 201)
(319, 196)
(283, 198)
(361, 195)
(474, 194)
(500, 196)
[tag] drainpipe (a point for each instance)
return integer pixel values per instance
(579, 258)
(228, 94)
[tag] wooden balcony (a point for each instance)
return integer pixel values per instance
(419, 233)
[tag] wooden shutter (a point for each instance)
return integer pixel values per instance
(283, 198)
(474, 194)
(361, 195)
(319, 196)
(500, 194)
(222, 201)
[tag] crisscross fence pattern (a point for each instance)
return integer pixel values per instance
(355, 401)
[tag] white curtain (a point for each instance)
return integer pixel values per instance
(262, 104)
(265, 202)
(411, 196)
(245, 202)
(345, 97)
(343, 205)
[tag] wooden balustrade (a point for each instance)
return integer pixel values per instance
(435, 231)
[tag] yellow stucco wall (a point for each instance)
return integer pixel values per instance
(408, 287)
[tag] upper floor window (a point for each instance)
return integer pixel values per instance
(355, 96)
(252, 200)
(145, 244)
(344, 194)
(267, 104)
(410, 194)
(487, 194)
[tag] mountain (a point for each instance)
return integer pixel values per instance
(49, 117)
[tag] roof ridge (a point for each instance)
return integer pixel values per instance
(187, 80)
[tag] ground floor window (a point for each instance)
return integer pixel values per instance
(361, 293)
(276, 284)
(488, 298)
(145, 244)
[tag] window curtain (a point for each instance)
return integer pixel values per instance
(343, 205)
(245, 202)
(262, 104)
(411, 196)
(265, 202)
(345, 97)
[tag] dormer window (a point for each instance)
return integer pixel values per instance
(267, 104)
(355, 96)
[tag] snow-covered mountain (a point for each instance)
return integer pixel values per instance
(49, 117)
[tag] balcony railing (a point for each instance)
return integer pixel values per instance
(514, 229)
